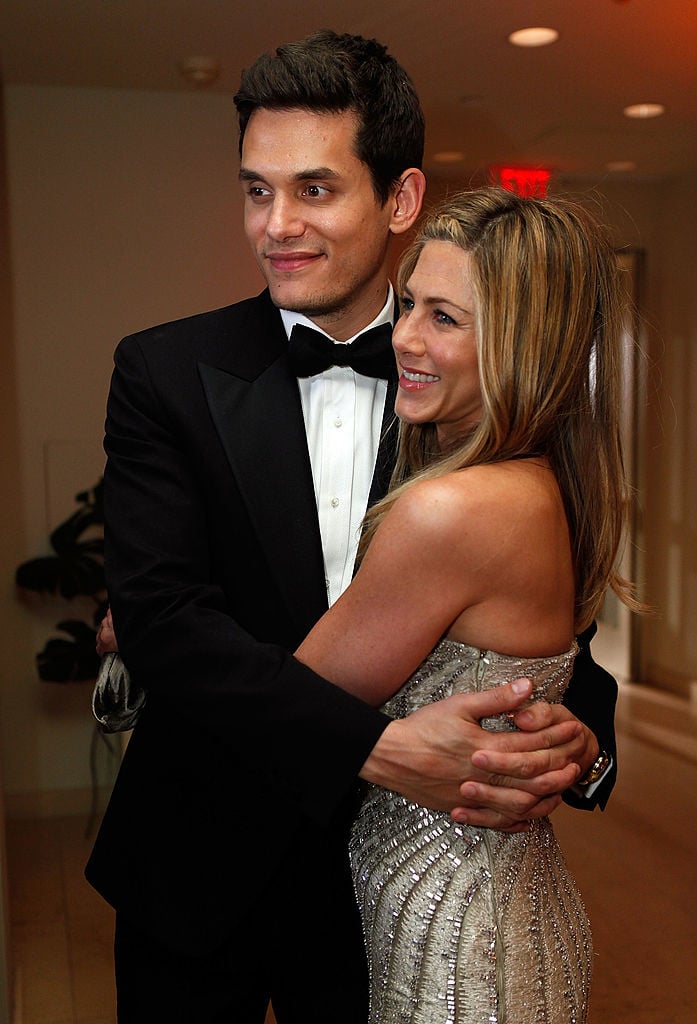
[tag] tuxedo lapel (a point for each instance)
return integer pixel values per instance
(389, 437)
(387, 452)
(255, 404)
(260, 425)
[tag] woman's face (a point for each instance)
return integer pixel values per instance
(435, 344)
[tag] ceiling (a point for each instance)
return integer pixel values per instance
(558, 106)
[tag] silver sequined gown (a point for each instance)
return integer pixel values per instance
(466, 925)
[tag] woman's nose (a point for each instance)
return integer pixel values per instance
(406, 336)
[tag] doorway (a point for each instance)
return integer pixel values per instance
(616, 645)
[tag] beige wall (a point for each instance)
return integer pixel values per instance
(10, 535)
(124, 211)
(670, 640)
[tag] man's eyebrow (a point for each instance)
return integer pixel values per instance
(311, 174)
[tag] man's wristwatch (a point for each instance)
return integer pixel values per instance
(595, 773)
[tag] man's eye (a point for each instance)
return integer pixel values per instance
(315, 191)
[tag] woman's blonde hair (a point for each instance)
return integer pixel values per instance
(549, 318)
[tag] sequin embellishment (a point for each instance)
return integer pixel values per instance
(467, 925)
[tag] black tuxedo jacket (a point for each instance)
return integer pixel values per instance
(215, 573)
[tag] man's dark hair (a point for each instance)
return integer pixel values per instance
(332, 73)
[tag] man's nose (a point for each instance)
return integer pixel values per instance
(284, 219)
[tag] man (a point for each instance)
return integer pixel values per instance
(235, 487)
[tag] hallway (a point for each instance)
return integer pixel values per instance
(636, 865)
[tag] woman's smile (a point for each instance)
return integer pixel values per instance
(435, 344)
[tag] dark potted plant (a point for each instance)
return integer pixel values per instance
(76, 568)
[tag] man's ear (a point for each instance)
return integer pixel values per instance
(407, 200)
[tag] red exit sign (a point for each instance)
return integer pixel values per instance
(525, 181)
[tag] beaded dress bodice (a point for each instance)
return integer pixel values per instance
(466, 925)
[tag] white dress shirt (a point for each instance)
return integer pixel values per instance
(343, 413)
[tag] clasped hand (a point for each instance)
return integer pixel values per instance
(441, 757)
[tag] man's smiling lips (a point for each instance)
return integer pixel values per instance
(286, 262)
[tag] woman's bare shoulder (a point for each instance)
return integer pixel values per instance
(502, 520)
(508, 491)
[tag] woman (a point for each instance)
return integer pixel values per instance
(491, 552)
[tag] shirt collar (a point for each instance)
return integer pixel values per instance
(385, 316)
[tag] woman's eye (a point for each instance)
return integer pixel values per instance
(406, 304)
(442, 318)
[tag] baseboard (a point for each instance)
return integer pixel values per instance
(679, 683)
(660, 718)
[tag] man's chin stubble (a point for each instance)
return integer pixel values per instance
(332, 307)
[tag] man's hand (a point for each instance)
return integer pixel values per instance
(528, 772)
(442, 758)
(106, 638)
(428, 755)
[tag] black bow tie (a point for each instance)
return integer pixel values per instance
(371, 353)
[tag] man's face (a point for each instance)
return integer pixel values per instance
(311, 215)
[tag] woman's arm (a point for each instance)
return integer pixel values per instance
(406, 594)
(426, 561)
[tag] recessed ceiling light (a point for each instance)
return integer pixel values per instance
(645, 110)
(620, 165)
(199, 70)
(449, 156)
(533, 37)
